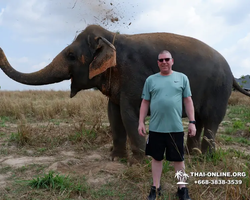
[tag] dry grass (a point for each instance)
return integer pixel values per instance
(237, 98)
(48, 122)
(51, 118)
(87, 105)
(45, 105)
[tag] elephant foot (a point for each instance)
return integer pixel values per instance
(192, 150)
(118, 154)
(196, 151)
(208, 150)
(138, 155)
(192, 146)
(208, 146)
(136, 158)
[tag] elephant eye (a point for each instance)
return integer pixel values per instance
(71, 56)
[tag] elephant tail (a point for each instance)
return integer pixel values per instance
(237, 87)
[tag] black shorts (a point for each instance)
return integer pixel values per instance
(172, 144)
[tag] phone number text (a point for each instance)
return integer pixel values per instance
(218, 182)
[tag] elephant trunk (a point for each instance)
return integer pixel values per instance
(56, 71)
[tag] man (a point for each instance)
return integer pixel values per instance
(164, 93)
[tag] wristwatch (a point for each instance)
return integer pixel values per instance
(192, 122)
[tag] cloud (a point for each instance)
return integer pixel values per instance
(232, 12)
(39, 66)
(238, 56)
(23, 60)
(37, 20)
(36, 31)
(183, 18)
(1, 13)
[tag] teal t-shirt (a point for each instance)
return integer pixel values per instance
(165, 94)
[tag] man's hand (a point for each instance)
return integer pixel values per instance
(191, 130)
(142, 129)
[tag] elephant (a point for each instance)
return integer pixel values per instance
(118, 65)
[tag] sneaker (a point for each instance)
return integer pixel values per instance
(154, 192)
(183, 194)
(159, 191)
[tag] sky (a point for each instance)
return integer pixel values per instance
(33, 32)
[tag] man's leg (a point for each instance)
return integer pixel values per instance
(179, 166)
(156, 172)
(182, 191)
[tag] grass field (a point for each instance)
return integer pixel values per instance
(54, 147)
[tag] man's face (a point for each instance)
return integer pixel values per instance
(165, 62)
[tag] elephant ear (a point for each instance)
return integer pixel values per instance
(104, 57)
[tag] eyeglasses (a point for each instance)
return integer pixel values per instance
(166, 59)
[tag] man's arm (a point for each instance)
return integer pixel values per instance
(189, 107)
(143, 113)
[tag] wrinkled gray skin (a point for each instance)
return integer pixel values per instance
(119, 72)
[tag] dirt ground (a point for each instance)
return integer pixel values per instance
(67, 158)
(94, 164)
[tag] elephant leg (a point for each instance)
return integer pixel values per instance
(195, 142)
(118, 131)
(130, 117)
(208, 141)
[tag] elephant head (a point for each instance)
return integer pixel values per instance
(88, 56)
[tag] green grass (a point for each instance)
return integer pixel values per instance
(231, 140)
(83, 135)
(4, 170)
(2, 134)
(55, 121)
(239, 115)
(19, 138)
(215, 158)
(4, 151)
(42, 150)
(167, 167)
(3, 120)
(55, 181)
